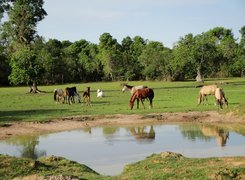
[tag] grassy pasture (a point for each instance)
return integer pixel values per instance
(17, 105)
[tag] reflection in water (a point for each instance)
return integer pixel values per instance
(87, 129)
(108, 149)
(140, 133)
(28, 146)
(109, 131)
(205, 132)
(220, 134)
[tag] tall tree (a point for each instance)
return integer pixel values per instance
(110, 55)
(23, 17)
(153, 61)
(183, 63)
(238, 67)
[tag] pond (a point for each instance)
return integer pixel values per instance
(108, 149)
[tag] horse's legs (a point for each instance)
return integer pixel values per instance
(206, 99)
(142, 103)
(137, 103)
(151, 106)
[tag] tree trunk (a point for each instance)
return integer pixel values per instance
(199, 77)
(33, 88)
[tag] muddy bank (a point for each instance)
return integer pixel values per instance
(76, 122)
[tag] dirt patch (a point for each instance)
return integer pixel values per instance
(76, 122)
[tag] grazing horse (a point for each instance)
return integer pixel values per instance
(142, 94)
(220, 98)
(132, 89)
(86, 97)
(204, 91)
(59, 95)
(70, 93)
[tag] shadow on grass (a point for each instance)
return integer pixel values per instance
(19, 115)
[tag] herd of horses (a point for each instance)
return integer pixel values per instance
(139, 94)
(68, 96)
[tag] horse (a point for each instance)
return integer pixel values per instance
(59, 95)
(100, 93)
(220, 98)
(141, 94)
(86, 97)
(70, 93)
(132, 89)
(204, 91)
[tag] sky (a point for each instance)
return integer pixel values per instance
(165, 21)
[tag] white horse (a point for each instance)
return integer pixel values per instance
(100, 93)
(132, 89)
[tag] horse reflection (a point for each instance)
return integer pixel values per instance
(140, 133)
(220, 135)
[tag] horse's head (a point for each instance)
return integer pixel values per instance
(131, 104)
(124, 88)
(225, 102)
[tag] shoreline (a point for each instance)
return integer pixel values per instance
(78, 122)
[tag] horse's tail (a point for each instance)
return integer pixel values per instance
(151, 96)
(55, 94)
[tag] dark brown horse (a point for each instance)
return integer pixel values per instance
(142, 94)
(86, 97)
(70, 93)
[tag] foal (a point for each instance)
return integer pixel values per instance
(86, 97)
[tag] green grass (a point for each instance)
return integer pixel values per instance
(157, 166)
(17, 105)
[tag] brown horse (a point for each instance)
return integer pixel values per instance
(220, 97)
(86, 97)
(204, 91)
(142, 94)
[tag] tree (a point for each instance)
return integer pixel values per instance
(20, 31)
(110, 56)
(181, 66)
(204, 54)
(51, 57)
(238, 67)
(226, 47)
(153, 61)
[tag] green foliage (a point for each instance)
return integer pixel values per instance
(23, 18)
(24, 66)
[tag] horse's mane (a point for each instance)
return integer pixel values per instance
(128, 86)
(133, 97)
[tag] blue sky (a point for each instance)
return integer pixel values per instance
(156, 20)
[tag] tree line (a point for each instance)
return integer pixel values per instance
(27, 58)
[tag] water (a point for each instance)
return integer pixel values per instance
(108, 149)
